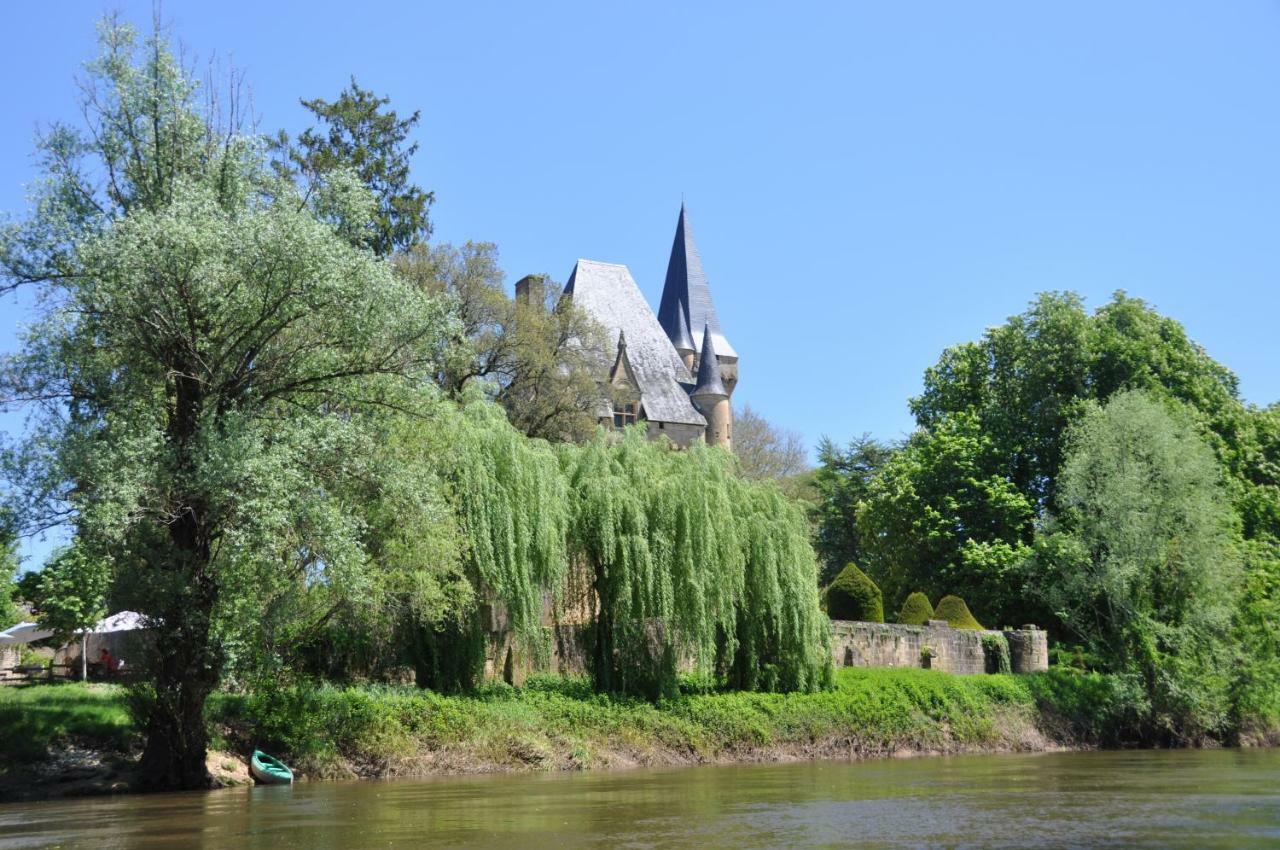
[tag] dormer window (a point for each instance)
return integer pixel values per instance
(625, 414)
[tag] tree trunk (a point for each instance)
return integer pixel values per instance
(602, 641)
(185, 668)
(84, 656)
(184, 673)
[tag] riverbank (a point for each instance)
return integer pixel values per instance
(332, 732)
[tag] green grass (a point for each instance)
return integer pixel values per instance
(555, 723)
(35, 717)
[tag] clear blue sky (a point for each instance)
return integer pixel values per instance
(868, 183)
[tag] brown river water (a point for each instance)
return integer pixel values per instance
(1184, 799)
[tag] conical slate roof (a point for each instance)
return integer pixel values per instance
(709, 383)
(683, 338)
(687, 293)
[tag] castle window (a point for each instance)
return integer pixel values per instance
(625, 415)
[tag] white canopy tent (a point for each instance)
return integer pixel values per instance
(23, 633)
(123, 621)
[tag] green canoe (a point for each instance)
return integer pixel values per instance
(269, 770)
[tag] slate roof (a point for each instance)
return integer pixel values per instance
(686, 288)
(608, 293)
(709, 383)
(682, 339)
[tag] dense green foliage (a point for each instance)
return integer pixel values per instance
(1255, 691)
(956, 509)
(684, 558)
(1138, 561)
(537, 355)
(935, 519)
(70, 593)
(854, 596)
(842, 481)
(916, 610)
(357, 133)
(954, 610)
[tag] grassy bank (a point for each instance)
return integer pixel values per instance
(551, 724)
(558, 724)
(35, 719)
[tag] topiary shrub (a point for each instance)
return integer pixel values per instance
(916, 610)
(854, 596)
(956, 613)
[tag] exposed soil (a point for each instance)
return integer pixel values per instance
(76, 769)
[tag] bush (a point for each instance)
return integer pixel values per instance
(854, 596)
(956, 613)
(996, 650)
(916, 610)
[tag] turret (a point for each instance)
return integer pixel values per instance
(710, 396)
(682, 338)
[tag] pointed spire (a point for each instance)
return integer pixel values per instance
(682, 339)
(685, 294)
(709, 387)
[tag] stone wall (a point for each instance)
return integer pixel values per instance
(856, 644)
(853, 644)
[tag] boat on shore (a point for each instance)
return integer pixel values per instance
(269, 770)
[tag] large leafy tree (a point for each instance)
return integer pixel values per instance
(357, 132)
(538, 355)
(1138, 560)
(1028, 379)
(1015, 393)
(209, 368)
(554, 391)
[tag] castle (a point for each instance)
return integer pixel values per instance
(675, 371)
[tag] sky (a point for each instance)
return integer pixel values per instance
(868, 183)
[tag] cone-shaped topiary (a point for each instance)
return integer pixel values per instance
(956, 613)
(854, 596)
(916, 610)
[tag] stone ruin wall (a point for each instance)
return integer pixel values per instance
(855, 644)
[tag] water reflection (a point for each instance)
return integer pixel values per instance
(1132, 799)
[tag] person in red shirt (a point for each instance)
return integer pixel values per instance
(108, 664)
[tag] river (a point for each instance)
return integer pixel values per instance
(1181, 799)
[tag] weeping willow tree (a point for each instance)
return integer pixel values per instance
(686, 561)
(511, 509)
(782, 635)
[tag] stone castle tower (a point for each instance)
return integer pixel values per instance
(686, 306)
